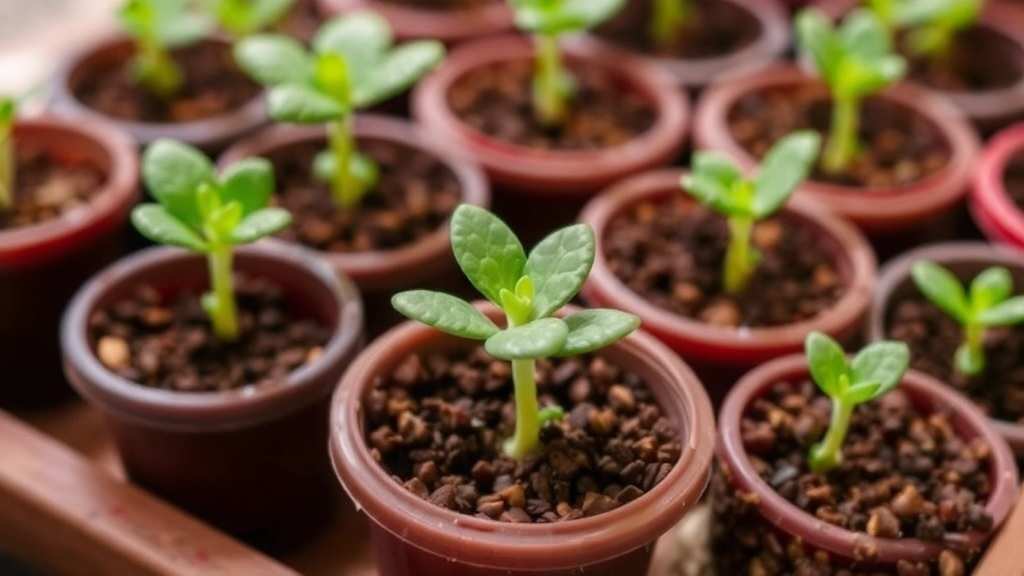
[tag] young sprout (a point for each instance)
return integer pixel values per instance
(529, 289)
(548, 21)
(240, 18)
(666, 18)
(8, 110)
(986, 303)
(875, 370)
(932, 23)
(856, 60)
(208, 214)
(716, 182)
(353, 65)
(158, 26)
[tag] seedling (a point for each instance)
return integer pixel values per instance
(529, 289)
(856, 60)
(716, 182)
(353, 65)
(208, 214)
(667, 16)
(874, 371)
(159, 26)
(240, 18)
(985, 304)
(548, 21)
(932, 23)
(8, 110)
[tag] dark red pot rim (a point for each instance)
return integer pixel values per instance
(109, 205)
(779, 512)
(448, 26)
(383, 269)
(205, 411)
(555, 546)
(989, 197)
(711, 342)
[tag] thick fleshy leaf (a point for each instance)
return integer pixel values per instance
(250, 182)
(883, 363)
(989, 288)
(183, 30)
(592, 12)
(302, 104)
(1006, 313)
(154, 222)
(444, 312)
(397, 71)
(241, 17)
(942, 288)
(596, 328)
(542, 20)
(827, 363)
(538, 339)
(273, 59)
(260, 224)
(173, 172)
(710, 191)
(360, 37)
(784, 168)
(558, 266)
(817, 38)
(221, 224)
(864, 36)
(860, 393)
(718, 167)
(487, 250)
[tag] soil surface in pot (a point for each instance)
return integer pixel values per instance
(905, 474)
(671, 254)
(899, 146)
(979, 59)
(415, 196)
(437, 424)
(48, 186)
(933, 337)
(1013, 179)
(496, 100)
(443, 5)
(213, 85)
(302, 21)
(715, 28)
(169, 343)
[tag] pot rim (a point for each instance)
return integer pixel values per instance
(989, 195)
(846, 543)
(448, 26)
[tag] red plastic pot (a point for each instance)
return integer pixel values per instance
(720, 355)
(211, 134)
(993, 211)
(845, 547)
(42, 265)
(560, 181)
(248, 460)
(448, 26)
(966, 260)
(380, 274)
(412, 537)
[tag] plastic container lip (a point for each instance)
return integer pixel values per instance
(204, 411)
(779, 512)
(989, 195)
(526, 546)
(448, 26)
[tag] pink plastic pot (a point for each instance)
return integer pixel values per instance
(41, 266)
(845, 548)
(412, 537)
(993, 211)
(448, 26)
(720, 355)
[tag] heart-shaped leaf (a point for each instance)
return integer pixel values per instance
(558, 265)
(250, 182)
(154, 222)
(173, 173)
(260, 224)
(444, 312)
(487, 251)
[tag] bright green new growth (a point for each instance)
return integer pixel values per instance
(933, 23)
(205, 213)
(666, 18)
(874, 371)
(353, 65)
(158, 26)
(986, 303)
(8, 110)
(241, 18)
(548, 21)
(529, 289)
(856, 60)
(716, 182)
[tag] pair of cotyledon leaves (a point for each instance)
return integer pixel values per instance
(949, 14)
(555, 17)
(241, 17)
(536, 286)
(167, 23)
(875, 370)
(987, 302)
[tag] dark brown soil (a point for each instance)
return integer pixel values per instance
(933, 338)
(170, 344)
(905, 475)
(980, 59)
(213, 86)
(48, 186)
(444, 5)
(415, 196)
(302, 22)
(898, 145)
(437, 425)
(672, 253)
(1013, 178)
(716, 28)
(496, 100)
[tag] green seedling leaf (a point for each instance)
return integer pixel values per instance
(942, 288)
(444, 312)
(260, 224)
(860, 393)
(555, 17)
(245, 17)
(590, 330)
(550, 414)
(827, 363)
(272, 59)
(173, 173)
(361, 39)
(817, 39)
(157, 224)
(1007, 313)
(158, 26)
(882, 364)
(397, 71)
(864, 36)
(540, 338)
(989, 288)
(558, 266)
(488, 251)
(302, 105)
(783, 169)
(250, 182)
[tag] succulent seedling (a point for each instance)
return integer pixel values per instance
(202, 212)
(8, 110)
(666, 18)
(855, 60)
(986, 303)
(548, 21)
(353, 65)
(157, 27)
(717, 183)
(874, 371)
(529, 289)
(932, 24)
(240, 18)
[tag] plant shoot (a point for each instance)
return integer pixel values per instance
(931, 24)
(986, 303)
(874, 371)
(8, 110)
(667, 16)
(240, 18)
(717, 183)
(202, 212)
(353, 65)
(529, 289)
(157, 27)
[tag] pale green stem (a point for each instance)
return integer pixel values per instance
(970, 359)
(548, 93)
(6, 168)
(345, 187)
(225, 314)
(828, 454)
(739, 261)
(666, 18)
(842, 142)
(527, 433)
(158, 71)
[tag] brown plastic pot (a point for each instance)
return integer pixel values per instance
(380, 274)
(525, 179)
(844, 547)
(720, 355)
(448, 26)
(41, 266)
(966, 260)
(993, 210)
(248, 460)
(912, 211)
(412, 537)
(211, 134)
